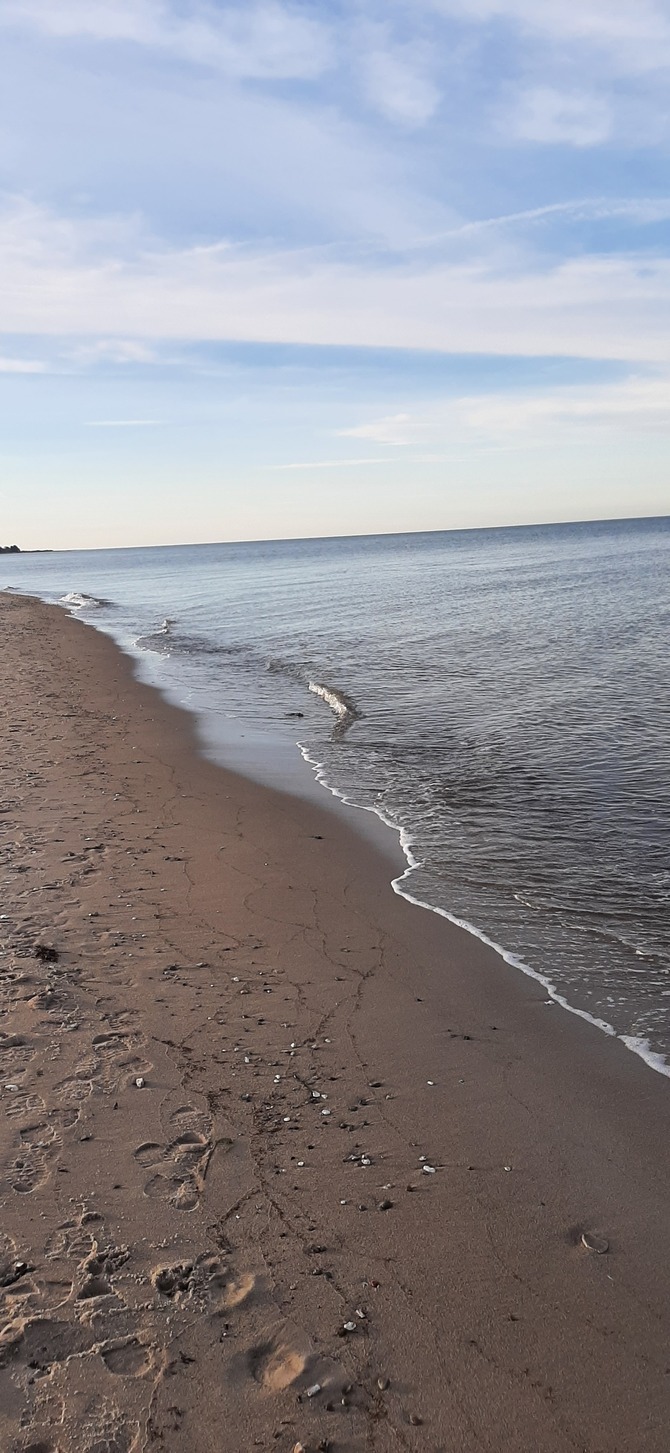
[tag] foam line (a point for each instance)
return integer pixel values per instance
(638, 1046)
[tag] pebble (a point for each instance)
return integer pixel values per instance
(383, 1383)
(140, 1083)
(385, 1205)
(429, 1170)
(312, 1391)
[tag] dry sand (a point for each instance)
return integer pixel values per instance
(220, 1102)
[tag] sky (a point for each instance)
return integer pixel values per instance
(292, 269)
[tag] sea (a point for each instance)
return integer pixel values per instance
(498, 696)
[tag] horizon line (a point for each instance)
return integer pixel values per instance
(356, 535)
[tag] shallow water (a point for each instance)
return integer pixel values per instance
(500, 696)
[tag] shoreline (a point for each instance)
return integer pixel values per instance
(268, 763)
(193, 1247)
(655, 1060)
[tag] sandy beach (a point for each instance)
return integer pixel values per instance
(285, 1159)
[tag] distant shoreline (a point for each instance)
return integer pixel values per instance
(380, 535)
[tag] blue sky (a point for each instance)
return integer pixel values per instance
(290, 269)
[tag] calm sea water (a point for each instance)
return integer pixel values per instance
(500, 696)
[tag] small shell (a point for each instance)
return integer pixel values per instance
(592, 1242)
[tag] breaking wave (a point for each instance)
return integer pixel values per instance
(165, 641)
(77, 600)
(345, 709)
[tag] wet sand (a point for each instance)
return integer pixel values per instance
(286, 1160)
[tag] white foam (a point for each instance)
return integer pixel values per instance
(641, 1047)
(632, 1042)
(336, 702)
(77, 600)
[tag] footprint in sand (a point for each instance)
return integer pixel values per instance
(111, 1435)
(42, 1341)
(23, 1104)
(64, 1119)
(114, 1063)
(208, 1280)
(186, 1161)
(235, 1290)
(28, 1291)
(74, 1090)
(187, 1117)
(276, 1365)
(172, 1281)
(121, 1021)
(77, 1239)
(130, 1358)
(40, 1147)
(50, 1000)
(182, 1165)
(15, 1055)
(14, 1270)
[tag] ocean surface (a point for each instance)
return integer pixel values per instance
(499, 696)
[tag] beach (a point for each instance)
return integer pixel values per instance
(286, 1159)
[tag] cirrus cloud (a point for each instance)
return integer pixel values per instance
(266, 40)
(63, 277)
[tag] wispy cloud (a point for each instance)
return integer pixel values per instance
(545, 115)
(637, 405)
(261, 41)
(399, 82)
(61, 280)
(329, 463)
(635, 32)
(22, 365)
(113, 350)
(640, 211)
(122, 423)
